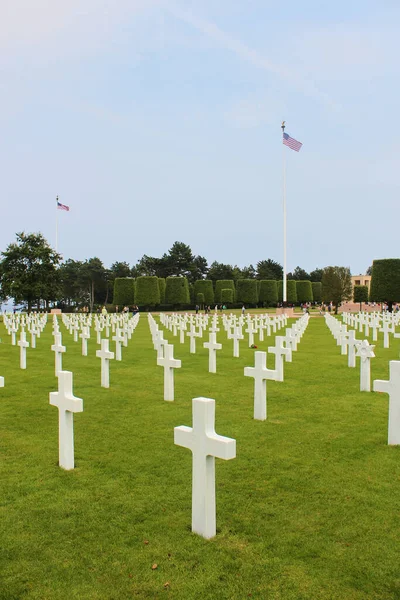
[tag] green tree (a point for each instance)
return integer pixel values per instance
(299, 274)
(28, 271)
(316, 275)
(317, 290)
(246, 291)
(360, 294)
(223, 284)
(177, 291)
(336, 285)
(205, 287)
(124, 291)
(227, 296)
(385, 281)
(304, 291)
(147, 291)
(269, 269)
(268, 294)
(248, 273)
(219, 271)
(93, 278)
(72, 288)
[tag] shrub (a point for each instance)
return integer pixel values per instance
(268, 292)
(177, 291)
(223, 284)
(291, 295)
(147, 291)
(205, 287)
(304, 291)
(317, 290)
(246, 291)
(385, 281)
(161, 287)
(124, 291)
(360, 294)
(227, 296)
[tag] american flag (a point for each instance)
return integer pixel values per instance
(62, 206)
(291, 142)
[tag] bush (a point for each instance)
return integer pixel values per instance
(177, 291)
(223, 284)
(226, 296)
(246, 291)
(147, 291)
(385, 281)
(317, 291)
(161, 287)
(124, 291)
(205, 287)
(268, 292)
(304, 291)
(200, 298)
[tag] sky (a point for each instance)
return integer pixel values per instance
(158, 121)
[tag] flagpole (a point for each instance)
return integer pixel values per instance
(56, 223)
(284, 294)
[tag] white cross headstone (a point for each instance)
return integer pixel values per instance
(260, 374)
(169, 363)
(392, 387)
(236, 336)
(23, 344)
(1, 381)
(118, 338)
(250, 330)
(205, 445)
(105, 356)
(85, 335)
(58, 348)
(365, 352)
(352, 344)
(280, 351)
(67, 404)
(212, 346)
(386, 328)
(192, 334)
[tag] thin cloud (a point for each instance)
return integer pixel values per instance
(225, 40)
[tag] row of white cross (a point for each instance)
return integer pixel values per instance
(377, 322)
(365, 351)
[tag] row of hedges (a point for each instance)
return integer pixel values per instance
(153, 291)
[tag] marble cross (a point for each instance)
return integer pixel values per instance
(392, 387)
(23, 344)
(169, 363)
(260, 374)
(118, 338)
(58, 348)
(365, 352)
(67, 404)
(236, 336)
(85, 335)
(105, 355)
(280, 351)
(352, 344)
(206, 445)
(192, 334)
(1, 381)
(212, 346)
(386, 328)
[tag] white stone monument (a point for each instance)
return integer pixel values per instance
(280, 352)
(365, 352)
(105, 356)
(118, 338)
(392, 387)
(212, 346)
(58, 348)
(205, 445)
(85, 335)
(1, 381)
(260, 374)
(23, 344)
(67, 404)
(169, 363)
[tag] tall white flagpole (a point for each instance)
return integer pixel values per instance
(57, 224)
(284, 295)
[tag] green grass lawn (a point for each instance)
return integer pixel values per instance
(309, 509)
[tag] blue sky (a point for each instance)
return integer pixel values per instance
(159, 120)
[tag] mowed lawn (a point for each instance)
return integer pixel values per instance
(309, 509)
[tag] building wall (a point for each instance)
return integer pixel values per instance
(361, 280)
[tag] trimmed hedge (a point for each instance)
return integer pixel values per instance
(246, 291)
(205, 287)
(124, 291)
(223, 284)
(161, 287)
(147, 291)
(268, 292)
(385, 280)
(226, 296)
(200, 298)
(177, 291)
(317, 291)
(291, 295)
(304, 291)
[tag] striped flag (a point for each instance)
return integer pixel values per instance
(62, 206)
(291, 142)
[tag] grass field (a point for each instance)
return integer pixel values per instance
(309, 509)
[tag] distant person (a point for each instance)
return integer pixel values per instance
(243, 309)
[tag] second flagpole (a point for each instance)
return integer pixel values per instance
(284, 293)
(56, 223)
